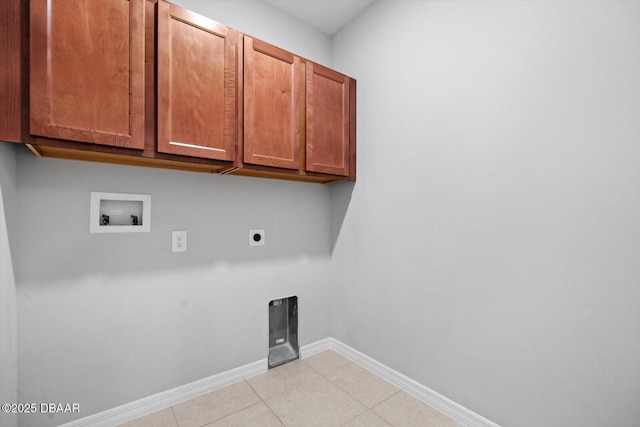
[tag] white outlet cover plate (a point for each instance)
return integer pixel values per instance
(178, 241)
(252, 239)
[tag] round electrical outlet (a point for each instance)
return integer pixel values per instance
(256, 238)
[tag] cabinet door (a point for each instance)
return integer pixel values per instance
(87, 71)
(328, 121)
(197, 89)
(273, 105)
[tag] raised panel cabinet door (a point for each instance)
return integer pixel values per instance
(273, 105)
(197, 89)
(87, 71)
(328, 121)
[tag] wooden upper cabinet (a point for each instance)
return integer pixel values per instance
(216, 99)
(197, 85)
(273, 105)
(328, 121)
(87, 71)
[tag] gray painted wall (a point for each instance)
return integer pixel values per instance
(490, 247)
(105, 319)
(8, 311)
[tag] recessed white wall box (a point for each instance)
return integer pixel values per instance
(120, 213)
(256, 237)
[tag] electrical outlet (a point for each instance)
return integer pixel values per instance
(256, 238)
(178, 241)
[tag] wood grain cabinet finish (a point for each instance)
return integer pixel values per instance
(327, 121)
(273, 105)
(87, 71)
(197, 85)
(147, 83)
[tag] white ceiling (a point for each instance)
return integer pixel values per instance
(328, 16)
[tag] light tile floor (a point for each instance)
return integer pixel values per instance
(325, 390)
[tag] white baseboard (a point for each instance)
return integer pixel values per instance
(459, 413)
(316, 347)
(148, 405)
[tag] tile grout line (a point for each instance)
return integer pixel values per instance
(266, 404)
(337, 385)
(340, 388)
(239, 410)
(292, 388)
(229, 414)
(380, 403)
(175, 418)
(354, 397)
(456, 412)
(359, 415)
(320, 375)
(177, 423)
